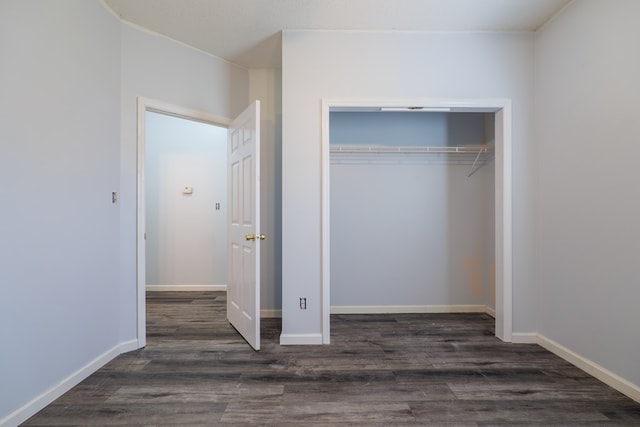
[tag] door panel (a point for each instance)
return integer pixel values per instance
(243, 283)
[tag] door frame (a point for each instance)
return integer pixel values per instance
(156, 106)
(502, 185)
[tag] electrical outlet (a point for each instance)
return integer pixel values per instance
(303, 303)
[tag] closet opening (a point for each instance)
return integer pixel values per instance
(417, 209)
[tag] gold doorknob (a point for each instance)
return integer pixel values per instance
(253, 237)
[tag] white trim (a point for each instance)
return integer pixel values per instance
(435, 32)
(274, 313)
(489, 105)
(385, 309)
(592, 368)
(503, 224)
(186, 288)
(490, 311)
(524, 337)
(325, 226)
(300, 339)
(503, 197)
(555, 16)
(157, 106)
(164, 36)
(127, 346)
(141, 253)
(29, 409)
(179, 111)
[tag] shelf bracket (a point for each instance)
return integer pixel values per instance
(473, 168)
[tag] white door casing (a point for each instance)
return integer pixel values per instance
(503, 199)
(243, 227)
(158, 106)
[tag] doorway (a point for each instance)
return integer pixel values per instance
(186, 194)
(146, 105)
(501, 109)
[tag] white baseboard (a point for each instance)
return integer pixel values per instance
(271, 313)
(300, 339)
(524, 338)
(173, 288)
(490, 311)
(592, 368)
(29, 409)
(386, 309)
(128, 346)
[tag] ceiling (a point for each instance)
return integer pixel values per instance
(247, 32)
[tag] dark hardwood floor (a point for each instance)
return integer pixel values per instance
(380, 370)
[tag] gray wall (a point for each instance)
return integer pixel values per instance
(319, 65)
(69, 79)
(411, 235)
(186, 240)
(410, 129)
(156, 67)
(70, 76)
(59, 163)
(588, 195)
(266, 86)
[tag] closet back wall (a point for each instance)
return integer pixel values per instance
(410, 129)
(186, 235)
(411, 233)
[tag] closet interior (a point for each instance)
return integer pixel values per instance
(412, 211)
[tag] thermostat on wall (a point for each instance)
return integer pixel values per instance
(187, 190)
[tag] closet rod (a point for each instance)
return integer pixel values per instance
(379, 149)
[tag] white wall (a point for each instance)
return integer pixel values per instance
(588, 197)
(319, 65)
(156, 67)
(186, 235)
(59, 148)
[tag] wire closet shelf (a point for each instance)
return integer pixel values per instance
(474, 155)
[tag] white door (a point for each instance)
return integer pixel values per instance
(244, 236)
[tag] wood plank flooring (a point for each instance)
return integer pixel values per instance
(380, 370)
